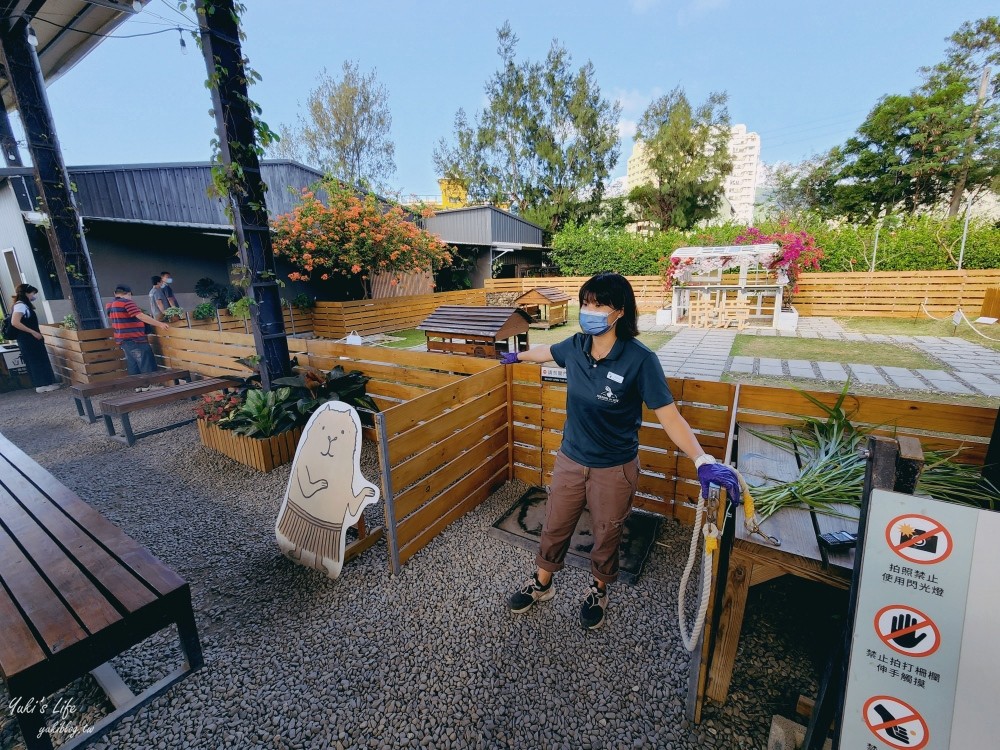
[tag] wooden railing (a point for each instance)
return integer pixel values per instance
(296, 321)
(334, 320)
(649, 291)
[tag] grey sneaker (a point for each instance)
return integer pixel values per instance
(592, 611)
(532, 591)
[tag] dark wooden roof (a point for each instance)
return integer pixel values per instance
(542, 295)
(494, 322)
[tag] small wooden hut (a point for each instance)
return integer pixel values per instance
(477, 331)
(547, 306)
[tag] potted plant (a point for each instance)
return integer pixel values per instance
(262, 428)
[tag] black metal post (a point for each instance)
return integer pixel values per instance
(65, 229)
(220, 38)
(11, 155)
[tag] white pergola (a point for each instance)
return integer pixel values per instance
(699, 270)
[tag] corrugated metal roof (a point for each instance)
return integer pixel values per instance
(477, 321)
(484, 226)
(177, 193)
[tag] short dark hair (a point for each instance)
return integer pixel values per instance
(156, 280)
(613, 290)
(123, 289)
(164, 273)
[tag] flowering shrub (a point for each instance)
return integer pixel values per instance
(677, 268)
(798, 251)
(353, 236)
(215, 406)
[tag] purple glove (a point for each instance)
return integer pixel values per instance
(722, 475)
(508, 358)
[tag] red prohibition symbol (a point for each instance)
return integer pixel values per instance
(907, 631)
(895, 722)
(919, 539)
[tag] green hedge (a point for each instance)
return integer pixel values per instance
(911, 243)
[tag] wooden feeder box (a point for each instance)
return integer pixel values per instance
(547, 306)
(486, 332)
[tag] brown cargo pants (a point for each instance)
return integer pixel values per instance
(607, 492)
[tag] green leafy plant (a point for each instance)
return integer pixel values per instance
(203, 311)
(173, 313)
(220, 295)
(69, 322)
(303, 301)
(833, 467)
(263, 414)
(240, 308)
(313, 388)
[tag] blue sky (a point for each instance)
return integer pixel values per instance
(803, 74)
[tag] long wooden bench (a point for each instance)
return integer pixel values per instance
(76, 592)
(123, 406)
(82, 393)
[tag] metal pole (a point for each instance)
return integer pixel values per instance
(965, 232)
(390, 506)
(220, 40)
(875, 249)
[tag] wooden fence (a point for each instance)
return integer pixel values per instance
(667, 481)
(296, 321)
(892, 294)
(334, 320)
(83, 356)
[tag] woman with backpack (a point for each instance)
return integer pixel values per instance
(24, 321)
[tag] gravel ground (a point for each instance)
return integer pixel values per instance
(428, 658)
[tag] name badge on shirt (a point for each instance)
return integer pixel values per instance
(615, 377)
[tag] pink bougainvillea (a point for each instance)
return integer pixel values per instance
(798, 251)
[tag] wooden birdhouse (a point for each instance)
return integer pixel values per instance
(477, 331)
(547, 306)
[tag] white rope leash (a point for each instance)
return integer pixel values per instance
(961, 312)
(709, 531)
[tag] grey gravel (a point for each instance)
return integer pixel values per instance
(429, 658)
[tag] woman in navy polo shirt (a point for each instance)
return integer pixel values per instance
(609, 375)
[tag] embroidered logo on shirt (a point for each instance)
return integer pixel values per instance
(615, 377)
(608, 395)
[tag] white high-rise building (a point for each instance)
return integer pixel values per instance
(740, 186)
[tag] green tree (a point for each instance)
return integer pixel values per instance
(920, 150)
(544, 145)
(346, 130)
(688, 152)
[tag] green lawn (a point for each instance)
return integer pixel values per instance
(825, 350)
(924, 327)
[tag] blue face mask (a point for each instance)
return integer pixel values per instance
(594, 323)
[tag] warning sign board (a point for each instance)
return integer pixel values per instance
(907, 630)
(919, 539)
(924, 668)
(895, 722)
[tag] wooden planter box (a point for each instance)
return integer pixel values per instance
(263, 454)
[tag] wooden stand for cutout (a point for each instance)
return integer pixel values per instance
(262, 454)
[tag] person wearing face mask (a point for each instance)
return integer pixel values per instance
(609, 376)
(168, 290)
(29, 339)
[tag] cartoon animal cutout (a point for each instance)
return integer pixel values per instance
(326, 491)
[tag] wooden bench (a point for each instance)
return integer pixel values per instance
(123, 406)
(83, 392)
(76, 592)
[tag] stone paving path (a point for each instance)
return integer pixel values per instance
(705, 354)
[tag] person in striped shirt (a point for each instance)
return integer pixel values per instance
(129, 325)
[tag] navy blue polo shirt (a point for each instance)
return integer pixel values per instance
(604, 399)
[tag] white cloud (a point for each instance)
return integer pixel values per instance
(634, 102)
(626, 128)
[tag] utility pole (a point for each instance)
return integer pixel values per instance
(959, 191)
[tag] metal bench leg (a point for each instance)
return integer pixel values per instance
(127, 429)
(109, 424)
(190, 645)
(30, 724)
(89, 406)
